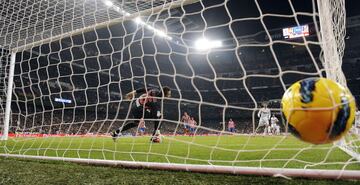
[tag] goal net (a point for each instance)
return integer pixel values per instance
(66, 66)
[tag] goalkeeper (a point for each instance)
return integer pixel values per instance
(147, 106)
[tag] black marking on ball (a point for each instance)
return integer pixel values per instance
(307, 86)
(290, 127)
(342, 117)
(294, 131)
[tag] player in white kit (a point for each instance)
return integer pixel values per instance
(264, 115)
(275, 128)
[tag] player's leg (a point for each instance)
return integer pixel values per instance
(257, 128)
(138, 133)
(270, 130)
(186, 129)
(273, 129)
(126, 126)
(155, 114)
(261, 123)
(137, 113)
(192, 131)
(267, 125)
(265, 130)
(157, 125)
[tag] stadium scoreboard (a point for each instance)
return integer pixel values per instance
(295, 32)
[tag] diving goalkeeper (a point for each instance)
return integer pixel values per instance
(147, 106)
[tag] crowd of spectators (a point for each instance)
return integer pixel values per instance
(52, 123)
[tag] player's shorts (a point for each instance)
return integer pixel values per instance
(263, 122)
(142, 129)
(186, 126)
(277, 130)
(231, 129)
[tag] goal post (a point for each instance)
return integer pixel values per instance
(7, 113)
(71, 64)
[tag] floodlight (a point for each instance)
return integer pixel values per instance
(205, 44)
(108, 3)
(138, 20)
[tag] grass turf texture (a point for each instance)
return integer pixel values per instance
(256, 151)
(21, 171)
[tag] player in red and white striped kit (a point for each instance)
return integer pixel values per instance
(186, 120)
(231, 125)
(193, 124)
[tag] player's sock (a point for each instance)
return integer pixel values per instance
(115, 134)
(157, 126)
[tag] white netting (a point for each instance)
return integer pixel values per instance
(332, 22)
(77, 59)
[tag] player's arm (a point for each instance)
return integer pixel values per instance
(259, 113)
(158, 113)
(182, 119)
(130, 95)
(133, 93)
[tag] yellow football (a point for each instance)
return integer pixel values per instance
(318, 110)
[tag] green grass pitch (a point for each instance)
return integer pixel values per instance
(268, 151)
(255, 151)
